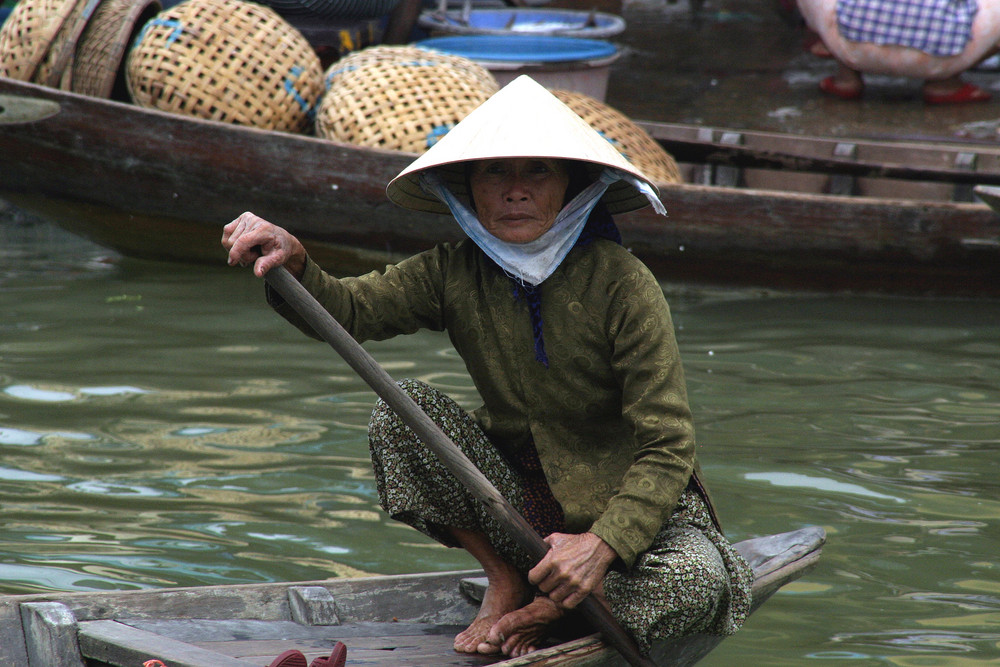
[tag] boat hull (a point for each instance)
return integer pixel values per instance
(390, 620)
(161, 186)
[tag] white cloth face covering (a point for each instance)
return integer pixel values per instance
(534, 261)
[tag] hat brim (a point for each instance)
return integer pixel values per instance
(522, 120)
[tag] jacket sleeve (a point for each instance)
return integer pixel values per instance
(400, 299)
(647, 363)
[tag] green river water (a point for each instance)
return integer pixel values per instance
(159, 426)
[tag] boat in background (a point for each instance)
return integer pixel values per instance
(384, 621)
(160, 186)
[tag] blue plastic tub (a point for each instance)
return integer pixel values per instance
(568, 63)
(524, 21)
(522, 48)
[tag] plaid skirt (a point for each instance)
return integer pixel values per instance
(689, 580)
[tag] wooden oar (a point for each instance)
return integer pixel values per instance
(451, 456)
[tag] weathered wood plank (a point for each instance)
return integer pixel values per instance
(410, 597)
(772, 551)
(194, 630)
(901, 160)
(12, 648)
(704, 173)
(729, 177)
(200, 629)
(844, 185)
(475, 587)
(429, 650)
(965, 161)
(312, 605)
(50, 635)
(122, 645)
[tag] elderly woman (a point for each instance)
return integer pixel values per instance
(935, 40)
(585, 426)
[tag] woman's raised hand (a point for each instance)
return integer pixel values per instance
(252, 240)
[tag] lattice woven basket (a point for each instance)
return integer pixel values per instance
(407, 54)
(100, 54)
(631, 140)
(226, 60)
(32, 35)
(400, 105)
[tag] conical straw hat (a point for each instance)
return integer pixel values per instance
(522, 120)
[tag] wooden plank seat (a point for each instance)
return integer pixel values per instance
(196, 643)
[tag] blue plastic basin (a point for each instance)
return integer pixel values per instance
(555, 22)
(522, 48)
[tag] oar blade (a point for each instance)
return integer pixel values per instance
(15, 110)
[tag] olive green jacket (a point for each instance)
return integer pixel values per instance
(609, 416)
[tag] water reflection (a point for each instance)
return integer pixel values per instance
(818, 483)
(185, 435)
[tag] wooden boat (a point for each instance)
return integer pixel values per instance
(390, 620)
(160, 186)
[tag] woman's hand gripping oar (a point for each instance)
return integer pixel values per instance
(451, 456)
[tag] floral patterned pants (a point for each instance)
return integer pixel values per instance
(689, 580)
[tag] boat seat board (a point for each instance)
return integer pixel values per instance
(115, 643)
(199, 642)
(202, 630)
(427, 651)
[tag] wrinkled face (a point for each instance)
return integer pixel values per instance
(517, 199)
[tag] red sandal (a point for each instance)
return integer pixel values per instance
(290, 658)
(963, 95)
(830, 86)
(338, 657)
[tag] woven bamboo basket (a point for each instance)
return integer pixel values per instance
(631, 140)
(31, 36)
(400, 105)
(226, 60)
(98, 69)
(56, 70)
(407, 54)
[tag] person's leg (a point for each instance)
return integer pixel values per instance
(415, 488)
(508, 591)
(953, 90)
(816, 46)
(690, 580)
(846, 83)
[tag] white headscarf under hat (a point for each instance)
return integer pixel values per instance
(523, 120)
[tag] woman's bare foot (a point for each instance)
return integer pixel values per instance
(524, 630)
(505, 594)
